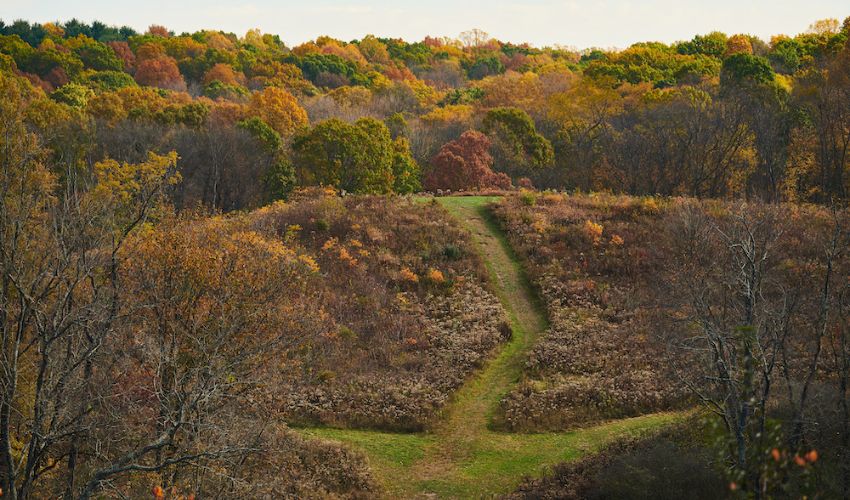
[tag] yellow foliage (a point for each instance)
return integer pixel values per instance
(122, 182)
(435, 276)
(593, 231)
(451, 113)
(408, 275)
(540, 226)
(279, 109)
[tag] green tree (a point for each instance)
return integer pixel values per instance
(355, 157)
(746, 70)
(73, 94)
(109, 80)
(520, 147)
(406, 171)
(279, 179)
(712, 44)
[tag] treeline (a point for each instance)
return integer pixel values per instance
(250, 118)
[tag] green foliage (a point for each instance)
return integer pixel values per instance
(466, 95)
(785, 55)
(192, 115)
(528, 198)
(262, 131)
(397, 125)
(357, 157)
(746, 70)
(109, 80)
(514, 128)
(95, 55)
(73, 94)
(32, 34)
(42, 61)
(315, 65)
(217, 90)
(406, 173)
(653, 63)
(712, 44)
(15, 47)
(280, 179)
(485, 66)
(410, 53)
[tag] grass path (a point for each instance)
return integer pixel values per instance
(462, 457)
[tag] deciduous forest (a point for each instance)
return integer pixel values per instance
(454, 267)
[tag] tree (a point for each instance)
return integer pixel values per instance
(712, 44)
(746, 69)
(158, 30)
(61, 292)
(373, 50)
(160, 72)
(759, 319)
(201, 345)
(95, 55)
(223, 73)
(474, 38)
(110, 80)
(279, 109)
(583, 115)
(824, 96)
(520, 148)
(738, 44)
(357, 157)
(825, 27)
(73, 94)
(279, 178)
(405, 169)
(464, 163)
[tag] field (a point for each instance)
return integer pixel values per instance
(463, 456)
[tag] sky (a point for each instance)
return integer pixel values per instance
(574, 23)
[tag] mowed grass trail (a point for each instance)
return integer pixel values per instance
(462, 457)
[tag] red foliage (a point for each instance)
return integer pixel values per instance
(57, 77)
(161, 72)
(224, 73)
(38, 82)
(157, 30)
(431, 41)
(498, 180)
(125, 53)
(465, 164)
(149, 51)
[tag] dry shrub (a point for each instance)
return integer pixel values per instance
(593, 261)
(406, 314)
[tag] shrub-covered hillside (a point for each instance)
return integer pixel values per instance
(408, 314)
(655, 303)
(597, 265)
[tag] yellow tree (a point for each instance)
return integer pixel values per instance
(59, 291)
(279, 109)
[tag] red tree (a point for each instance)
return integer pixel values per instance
(125, 53)
(160, 72)
(465, 164)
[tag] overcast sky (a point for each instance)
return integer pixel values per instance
(577, 23)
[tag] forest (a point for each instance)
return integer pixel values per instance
(457, 267)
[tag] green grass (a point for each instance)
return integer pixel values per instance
(462, 456)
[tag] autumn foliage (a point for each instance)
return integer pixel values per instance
(465, 164)
(160, 72)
